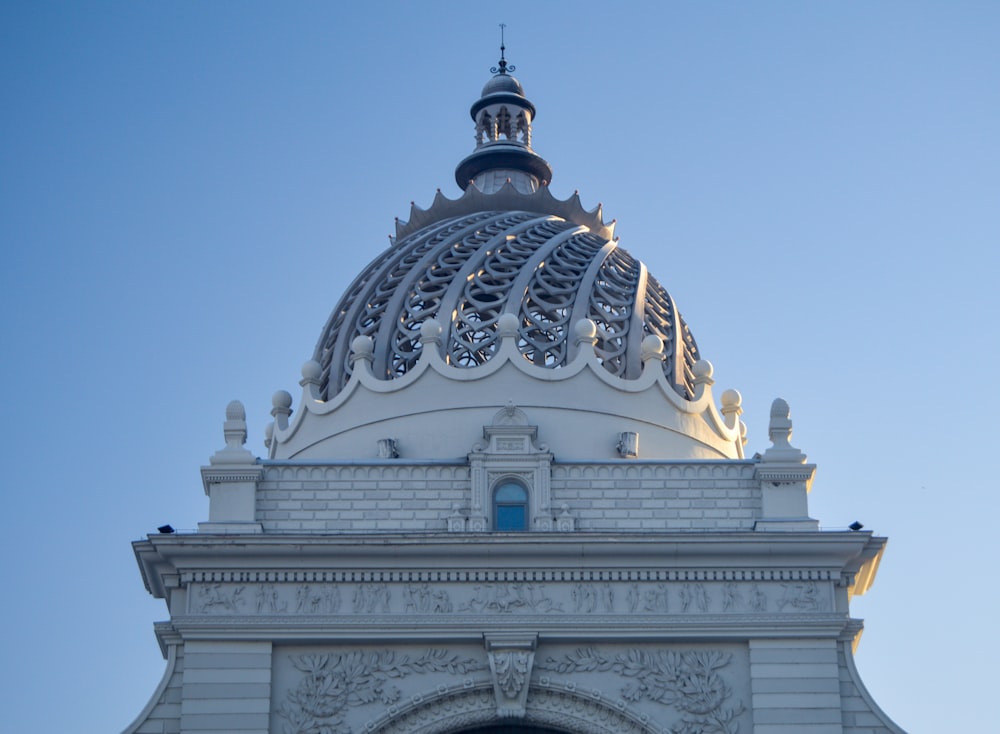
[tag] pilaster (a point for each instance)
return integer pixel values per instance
(227, 687)
(795, 686)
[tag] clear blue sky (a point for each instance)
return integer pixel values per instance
(188, 187)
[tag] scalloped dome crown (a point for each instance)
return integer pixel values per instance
(505, 248)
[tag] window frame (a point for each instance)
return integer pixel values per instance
(524, 502)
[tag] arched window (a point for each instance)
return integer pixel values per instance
(510, 507)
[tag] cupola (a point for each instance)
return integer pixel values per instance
(503, 153)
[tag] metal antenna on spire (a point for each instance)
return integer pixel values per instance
(502, 67)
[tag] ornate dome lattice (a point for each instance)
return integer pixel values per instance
(467, 271)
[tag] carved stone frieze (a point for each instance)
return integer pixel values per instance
(496, 595)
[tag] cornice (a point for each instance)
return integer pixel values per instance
(169, 561)
(529, 549)
(571, 628)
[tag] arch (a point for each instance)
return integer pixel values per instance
(471, 709)
(512, 729)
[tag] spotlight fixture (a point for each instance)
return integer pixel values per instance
(166, 529)
(855, 526)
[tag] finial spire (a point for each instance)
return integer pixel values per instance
(502, 66)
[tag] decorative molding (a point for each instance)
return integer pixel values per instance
(212, 475)
(333, 683)
(259, 575)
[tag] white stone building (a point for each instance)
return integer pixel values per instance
(508, 501)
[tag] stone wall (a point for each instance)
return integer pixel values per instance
(397, 496)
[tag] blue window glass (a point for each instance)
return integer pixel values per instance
(510, 507)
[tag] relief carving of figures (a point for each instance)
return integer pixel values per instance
(369, 598)
(269, 601)
(325, 600)
(656, 599)
(732, 599)
(505, 598)
(802, 595)
(694, 594)
(422, 598)
(332, 683)
(214, 598)
(758, 599)
(633, 597)
(691, 682)
(589, 598)
(652, 600)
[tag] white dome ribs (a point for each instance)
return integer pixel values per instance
(468, 271)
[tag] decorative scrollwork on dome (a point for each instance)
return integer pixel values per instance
(486, 293)
(540, 272)
(612, 304)
(424, 298)
(548, 307)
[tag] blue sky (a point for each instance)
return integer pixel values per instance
(187, 188)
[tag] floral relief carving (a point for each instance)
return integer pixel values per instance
(689, 681)
(511, 668)
(332, 683)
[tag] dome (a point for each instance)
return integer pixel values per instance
(505, 296)
(467, 270)
(503, 83)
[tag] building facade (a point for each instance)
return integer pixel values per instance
(508, 501)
